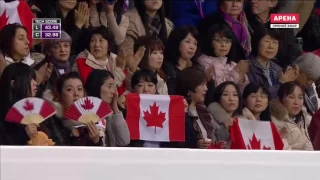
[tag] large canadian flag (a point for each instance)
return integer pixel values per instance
(156, 117)
(16, 12)
(253, 135)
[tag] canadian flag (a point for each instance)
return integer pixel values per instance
(156, 117)
(16, 12)
(253, 135)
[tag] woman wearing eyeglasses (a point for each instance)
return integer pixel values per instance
(220, 54)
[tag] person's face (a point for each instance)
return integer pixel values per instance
(145, 87)
(67, 4)
(153, 5)
(34, 87)
(230, 99)
(199, 93)
(304, 81)
(99, 47)
(232, 7)
(72, 90)
(268, 47)
(294, 101)
(20, 45)
(108, 90)
(95, 1)
(221, 45)
(188, 47)
(156, 59)
(261, 6)
(257, 102)
(61, 51)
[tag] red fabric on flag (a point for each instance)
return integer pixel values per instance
(23, 17)
(257, 139)
(172, 127)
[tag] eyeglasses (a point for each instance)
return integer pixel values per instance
(256, 95)
(220, 41)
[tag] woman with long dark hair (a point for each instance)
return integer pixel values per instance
(101, 84)
(18, 82)
(290, 117)
(182, 50)
(146, 19)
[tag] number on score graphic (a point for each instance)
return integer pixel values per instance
(47, 27)
(47, 34)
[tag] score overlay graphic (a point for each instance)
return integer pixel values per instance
(46, 28)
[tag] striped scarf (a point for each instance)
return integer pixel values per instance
(154, 24)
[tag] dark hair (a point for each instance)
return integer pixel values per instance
(259, 33)
(224, 31)
(145, 75)
(95, 80)
(286, 89)
(172, 52)
(254, 88)
(12, 92)
(219, 91)
(106, 34)
(7, 35)
(188, 80)
(63, 78)
(140, 6)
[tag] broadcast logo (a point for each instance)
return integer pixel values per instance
(284, 21)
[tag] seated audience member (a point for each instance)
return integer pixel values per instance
(70, 88)
(220, 55)
(290, 118)
(14, 48)
(152, 60)
(226, 104)
(230, 13)
(57, 53)
(182, 50)
(258, 13)
(99, 56)
(190, 12)
(192, 85)
(146, 19)
(101, 84)
(309, 65)
(263, 71)
(103, 14)
(18, 82)
(256, 102)
(145, 81)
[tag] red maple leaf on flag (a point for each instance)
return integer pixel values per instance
(87, 104)
(256, 144)
(28, 106)
(154, 118)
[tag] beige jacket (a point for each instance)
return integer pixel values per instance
(119, 31)
(136, 29)
(116, 130)
(294, 136)
(90, 61)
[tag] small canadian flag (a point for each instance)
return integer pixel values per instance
(254, 135)
(17, 11)
(156, 117)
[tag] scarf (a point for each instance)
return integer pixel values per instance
(239, 28)
(61, 65)
(27, 60)
(154, 25)
(311, 101)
